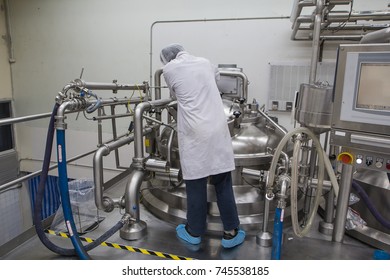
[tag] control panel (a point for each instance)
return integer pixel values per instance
(363, 151)
(365, 159)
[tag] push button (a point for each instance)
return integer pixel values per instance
(345, 157)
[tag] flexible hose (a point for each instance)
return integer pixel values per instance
(294, 183)
(37, 217)
(65, 200)
(363, 195)
(294, 186)
(277, 235)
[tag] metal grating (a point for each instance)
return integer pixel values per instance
(285, 80)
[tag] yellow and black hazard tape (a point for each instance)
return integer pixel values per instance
(124, 247)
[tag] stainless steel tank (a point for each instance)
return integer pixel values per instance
(254, 136)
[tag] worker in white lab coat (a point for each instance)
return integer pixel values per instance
(205, 146)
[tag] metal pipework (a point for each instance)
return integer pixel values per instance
(334, 17)
(275, 124)
(136, 228)
(77, 104)
(342, 202)
(297, 9)
(316, 40)
(156, 165)
(355, 16)
(72, 105)
(138, 117)
(114, 86)
(240, 75)
(103, 151)
(264, 237)
(157, 84)
(111, 86)
(157, 90)
(251, 173)
(24, 119)
(172, 175)
(380, 36)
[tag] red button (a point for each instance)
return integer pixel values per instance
(345, 157)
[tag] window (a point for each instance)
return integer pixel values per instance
(6, 138)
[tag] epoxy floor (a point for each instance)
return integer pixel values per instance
(161, 243)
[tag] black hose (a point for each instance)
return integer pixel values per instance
(37, 218)
(363, 195)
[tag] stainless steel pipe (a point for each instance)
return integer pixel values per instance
(138, 117)
(316, 41)
(103, 151)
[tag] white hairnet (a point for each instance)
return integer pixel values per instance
(169, 52)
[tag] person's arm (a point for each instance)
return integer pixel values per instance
(171, 90)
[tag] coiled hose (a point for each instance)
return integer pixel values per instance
(37, 217)
(294, 179)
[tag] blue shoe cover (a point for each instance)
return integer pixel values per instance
(182, 233)
(237, 240)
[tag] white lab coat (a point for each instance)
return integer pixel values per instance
(205, 145)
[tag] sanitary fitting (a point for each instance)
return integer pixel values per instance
(284, 181)
(127, 219)
(269, 195)
(138, 164)
(108, 204)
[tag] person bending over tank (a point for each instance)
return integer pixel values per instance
(205, 146)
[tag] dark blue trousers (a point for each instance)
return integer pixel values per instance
(197, 203)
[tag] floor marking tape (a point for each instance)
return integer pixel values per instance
(124, 247)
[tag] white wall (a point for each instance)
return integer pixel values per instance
(121, 39)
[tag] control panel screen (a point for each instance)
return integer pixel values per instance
(373, 89)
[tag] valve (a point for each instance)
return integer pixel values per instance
(236, 114)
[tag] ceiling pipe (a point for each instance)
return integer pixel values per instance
(380, 36)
